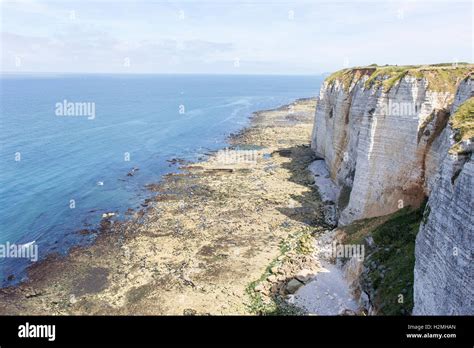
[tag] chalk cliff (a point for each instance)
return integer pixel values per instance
(390, 139)
(444, 271)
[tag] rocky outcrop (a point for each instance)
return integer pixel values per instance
(389, 138)
(375, 133)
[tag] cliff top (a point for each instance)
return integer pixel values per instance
(440, 77)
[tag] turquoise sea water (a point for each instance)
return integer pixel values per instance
(48, 160)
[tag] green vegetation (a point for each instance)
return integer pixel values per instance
(299, 242)
(346, 77)
(445, 79)
(390, 260)
(440, 77)
(463, 123)
(357, 231)
(305, 244)
(387, 75)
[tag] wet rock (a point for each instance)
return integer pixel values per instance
(175, 161)
(132, 172)
(283, 152)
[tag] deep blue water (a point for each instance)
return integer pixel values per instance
(64, 158)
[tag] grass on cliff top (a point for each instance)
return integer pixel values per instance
(389, 263)
(440, 77)
(463, 121)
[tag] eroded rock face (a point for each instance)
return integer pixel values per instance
(375, 143)
(444, 271)
(390, 148)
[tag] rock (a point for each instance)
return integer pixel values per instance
(32, 293)
(293, 286)
(305, 275)
(275, 288)
(272, 278)
(189, 311)
(107, 215)
(132, 172)
(348, 312)
(274, 270)
(283, 152)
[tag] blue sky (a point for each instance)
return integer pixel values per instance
(239, 36)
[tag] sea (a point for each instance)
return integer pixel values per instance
(76, 146)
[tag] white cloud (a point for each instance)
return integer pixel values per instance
(320, 37)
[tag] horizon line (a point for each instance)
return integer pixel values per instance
(154, 73)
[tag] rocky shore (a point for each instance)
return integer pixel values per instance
(229, 235)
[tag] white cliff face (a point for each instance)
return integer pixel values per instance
(386, 150)
(375, 144)
(444, 271)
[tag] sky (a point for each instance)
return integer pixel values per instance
(230, 37)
